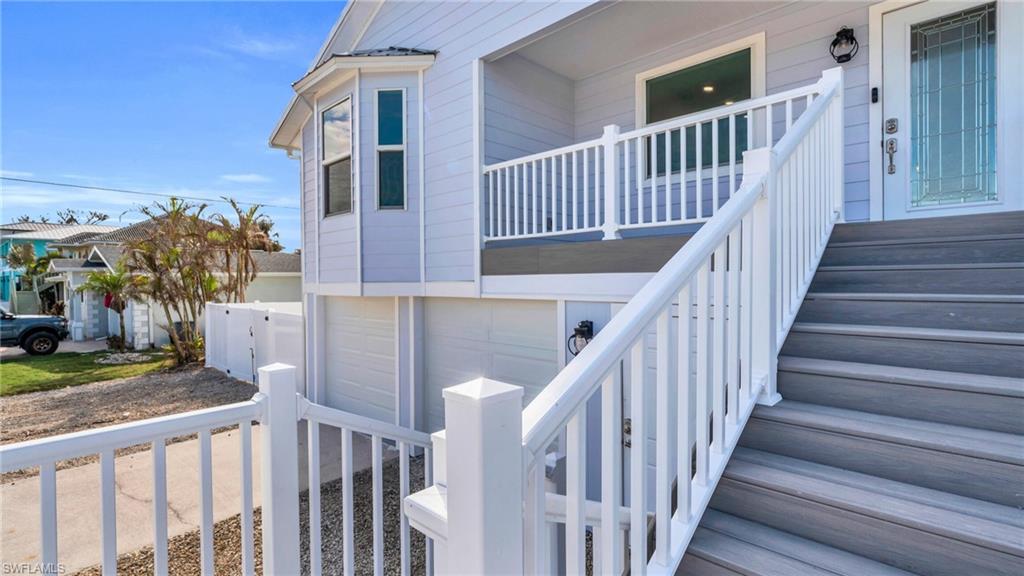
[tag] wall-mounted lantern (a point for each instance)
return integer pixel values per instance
(844, 46)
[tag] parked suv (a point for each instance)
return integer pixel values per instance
(36, 334)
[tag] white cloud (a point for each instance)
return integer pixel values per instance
(241, 42)
(245, 178)
(15, 174)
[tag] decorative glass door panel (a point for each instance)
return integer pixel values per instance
(953, 109)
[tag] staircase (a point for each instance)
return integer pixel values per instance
(898, 446)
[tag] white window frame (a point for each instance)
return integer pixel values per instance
(378, 148)
(758, 74)
(324, 162)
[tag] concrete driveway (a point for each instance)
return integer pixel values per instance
(79, 543)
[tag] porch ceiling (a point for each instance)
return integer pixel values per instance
(626, 31)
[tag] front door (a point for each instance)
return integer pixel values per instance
(943, 119)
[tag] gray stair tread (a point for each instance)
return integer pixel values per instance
(972, 442)
(927, 496)
(925, 240)
(813, 554)
(951, 266)
(1011, 222)
(745, 558)
(978, 383)
(919, 297)
(912, 333)
(862, 499)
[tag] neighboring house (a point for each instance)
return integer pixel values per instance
(479, 178)
(278, 280)
(41, 236)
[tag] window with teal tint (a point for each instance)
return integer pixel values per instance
(336, 129)
(390, 123)
(391, 166)
(718, 82)
(391, 149)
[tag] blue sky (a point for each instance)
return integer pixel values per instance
(160, 97)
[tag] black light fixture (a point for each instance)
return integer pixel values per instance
(844, 46)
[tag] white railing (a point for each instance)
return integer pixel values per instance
(278, 409)
(718, 312)
(407, 441)
(46, 452)
(679, 171)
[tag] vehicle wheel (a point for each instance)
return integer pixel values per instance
(40, 344)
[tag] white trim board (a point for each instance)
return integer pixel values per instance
(576, 287)
(389, 289)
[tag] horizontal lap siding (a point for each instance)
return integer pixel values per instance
(528, 109)
(461, 32)
(391, 249)
(797, 42)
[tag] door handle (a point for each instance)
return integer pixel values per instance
(890, 149)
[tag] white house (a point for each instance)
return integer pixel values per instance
(478, 178)
(674, 288)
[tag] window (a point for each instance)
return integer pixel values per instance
(390, 149)
(717, 82)
(337, 161)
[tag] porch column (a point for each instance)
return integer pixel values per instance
(611, 179)
(764, 331)
(484, 475)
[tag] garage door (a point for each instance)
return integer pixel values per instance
(513, 341)
(360, 359)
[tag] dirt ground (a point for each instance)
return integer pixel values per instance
(39, 414)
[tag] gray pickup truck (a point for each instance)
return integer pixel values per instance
(35, 333)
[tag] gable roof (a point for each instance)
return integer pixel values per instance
(61, 232)
(129, 233)
(266, 262)
(64, 264)
(28, 226)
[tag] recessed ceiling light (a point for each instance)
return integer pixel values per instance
(709, 88)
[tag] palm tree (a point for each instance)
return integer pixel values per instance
(121, 286)
(252, 232)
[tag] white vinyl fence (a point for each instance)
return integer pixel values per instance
(242, 337)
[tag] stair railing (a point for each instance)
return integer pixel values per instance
(716, 315)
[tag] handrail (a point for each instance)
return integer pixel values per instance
(722, 111)
(71, 445)
(541, 155)
(552, 408)
(361, 424)
(558, 401)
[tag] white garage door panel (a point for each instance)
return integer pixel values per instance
(360, 362)
(513, 341)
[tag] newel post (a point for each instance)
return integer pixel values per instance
(764, 332)
(609, 143)
(484, 475)
(279, 469)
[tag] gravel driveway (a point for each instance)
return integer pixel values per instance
(39, 414)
